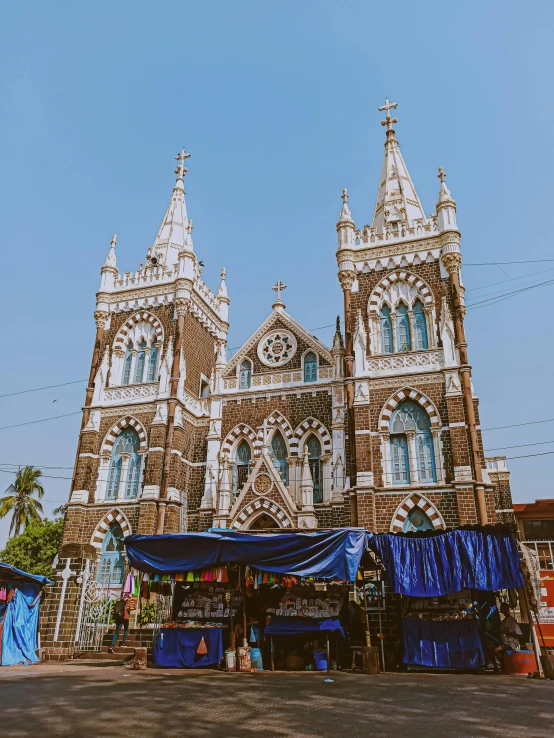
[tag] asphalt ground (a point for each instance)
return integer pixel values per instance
(89, 700)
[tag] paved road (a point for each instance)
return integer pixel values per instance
(48, 701)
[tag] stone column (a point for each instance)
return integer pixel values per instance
(412, 456)
(385, 449)
(393, 325)
(438, 460)
(431, 328)
(412, 331)
(294, 489)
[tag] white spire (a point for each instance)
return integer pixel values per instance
(397, 199)
(345, 214)
(174, 235)
(111, 259)
(446, 206)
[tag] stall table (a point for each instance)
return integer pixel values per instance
(291, 625)
(443, 644)
(177, 647)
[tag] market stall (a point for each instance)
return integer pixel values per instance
(291, 582)
(438, 573)
(20, 594)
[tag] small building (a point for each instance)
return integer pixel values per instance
(535, 522)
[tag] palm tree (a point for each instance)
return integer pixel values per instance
(20, 502)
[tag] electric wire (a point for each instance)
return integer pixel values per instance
(39, 420)
(39, 389)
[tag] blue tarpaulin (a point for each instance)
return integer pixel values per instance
(444, 563)
(19, 619)
(178, 646)
(290, 625)
(326, 554)
(454, 644)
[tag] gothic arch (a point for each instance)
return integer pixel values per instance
(239, 431)
(131, 323)
(111, 436)
(408, 394)
(416, 288)
(114, 516)
(254, 509)
(406, 507)
(311, 425)
(274, 421)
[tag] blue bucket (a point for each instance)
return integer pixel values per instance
(320, 659)
(256, 658)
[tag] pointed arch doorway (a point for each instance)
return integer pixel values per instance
(265, 521)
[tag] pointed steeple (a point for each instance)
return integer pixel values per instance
(108, 273)
(175, 234)
(446, 206)
(111, 259)
(397, 200)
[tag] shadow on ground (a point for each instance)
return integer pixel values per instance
(112, 702)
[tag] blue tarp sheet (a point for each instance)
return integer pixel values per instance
(325, 554)
(20, 616)
(282, 625)
(444, 563)
(177, 647)
(446, 644)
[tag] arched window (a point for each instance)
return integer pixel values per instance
(417, 520)
(310, 367)
(111, 565)
(124, 470)
(278, 450)
(386, 330)
(141, 358)
(245, 374)
(402, 328)
(152, 364)
(314, 458)
(411, 439)
(241, 468)
(127, 365)
(420, 327)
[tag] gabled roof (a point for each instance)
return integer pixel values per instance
(276, 316)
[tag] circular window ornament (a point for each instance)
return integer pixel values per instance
(276, 348)
(262, 484)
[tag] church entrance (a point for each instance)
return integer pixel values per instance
(264, 522)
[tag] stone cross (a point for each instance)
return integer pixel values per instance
(114, 240)
(388, 106)
(345, 196)
(181, 156)
(442, 174)
(278, 288)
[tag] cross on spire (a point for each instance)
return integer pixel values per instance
(388, 106)
(278, 287)
(345, 196)
(181, 157)
(442, 174)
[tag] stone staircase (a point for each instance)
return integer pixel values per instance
(136, 638)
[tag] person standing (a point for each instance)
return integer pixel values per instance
(122, 610)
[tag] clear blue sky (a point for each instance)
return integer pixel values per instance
(277, 103)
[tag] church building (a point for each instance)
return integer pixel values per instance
(379, 430)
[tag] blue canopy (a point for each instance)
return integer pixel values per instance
(436, 564)
(20, 616)
(9, 573)
(326, 554)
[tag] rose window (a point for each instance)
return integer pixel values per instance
(277, 348)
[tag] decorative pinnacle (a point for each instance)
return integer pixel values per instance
(278, 288)
(441, 175)
(114, 240)
(388, 106)
(345, 196)
(181, 168)
(223, 273)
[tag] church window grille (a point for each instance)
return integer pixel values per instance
(125, 463)
(386, 330)
(314, 460)
(420, 327)
(127, 365)
(245, 374)
(141, 358)
(278, 450)
(152, 364)
(111, 565)
(310, 367)
(241, 467)
(410, 429)
(402, 328)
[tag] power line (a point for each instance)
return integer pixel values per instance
(35, 466)
(40, 420)
(46, 476)
(527, 456)
(512, 279)
(518, 425)
(505, 296)
(38, 389)
(519, 445)
(505, 263)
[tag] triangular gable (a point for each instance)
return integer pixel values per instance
(264, 484)
(275, 317)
